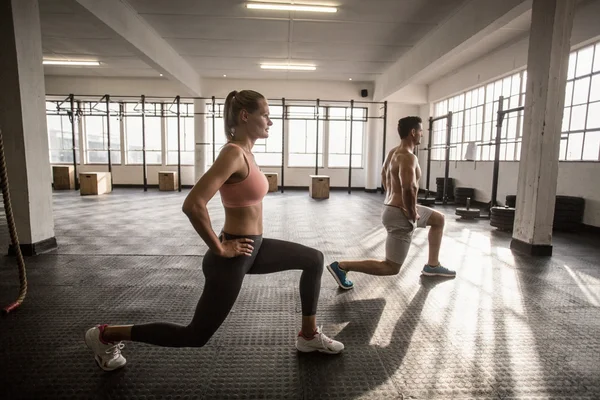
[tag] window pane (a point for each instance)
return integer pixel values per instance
(569, 94)
(595, 89)
(584, 61)
(516, 85)
(574, 146)
(593, 119)
(566, 119)
(563, 150)
(591, 147)
(580, 91)
(578, 118)
(597, 58)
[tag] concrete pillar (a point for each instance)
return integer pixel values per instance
(549, 46)
(373, 153)
(201, 139)
(23, 124)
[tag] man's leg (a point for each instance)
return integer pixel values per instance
(436, 221)
(371, 267)
(397, 244)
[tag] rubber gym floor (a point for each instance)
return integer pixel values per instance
(509, 325)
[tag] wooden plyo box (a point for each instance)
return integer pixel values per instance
(272, 178)
(167, 181)
(319, 186)
(63, 177)
(93, 183)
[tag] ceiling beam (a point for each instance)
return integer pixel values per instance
(473, 21)
(145, 41)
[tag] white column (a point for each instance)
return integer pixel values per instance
(200, 138)
(23, 124)
(373, 156)
(549, 46)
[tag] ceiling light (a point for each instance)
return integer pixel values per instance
(349, 79)
(63, 62)
(160, 74)
(289, 67)
(290, 7)
(224, 76)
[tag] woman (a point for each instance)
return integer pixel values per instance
(239, 250)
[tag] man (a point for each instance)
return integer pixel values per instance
(401, 214)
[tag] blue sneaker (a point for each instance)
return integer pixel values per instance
(340, 276)
(428, 270)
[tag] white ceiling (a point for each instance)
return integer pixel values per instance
(218, 37)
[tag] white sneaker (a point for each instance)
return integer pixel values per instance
(319, 342)
(108, 355)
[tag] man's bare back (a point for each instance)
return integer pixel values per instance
(400, 176)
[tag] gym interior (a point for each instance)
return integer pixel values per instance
(110, 111)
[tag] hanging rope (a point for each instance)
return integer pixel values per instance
(13, 232)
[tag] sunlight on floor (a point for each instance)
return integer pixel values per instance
(580, 278)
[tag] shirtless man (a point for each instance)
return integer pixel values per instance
(401, 215)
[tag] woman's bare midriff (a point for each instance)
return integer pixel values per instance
(244, 220)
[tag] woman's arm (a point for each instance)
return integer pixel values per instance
(229, 161)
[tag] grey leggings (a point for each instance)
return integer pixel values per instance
(224, 277)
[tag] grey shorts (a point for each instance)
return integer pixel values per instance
(400, 231)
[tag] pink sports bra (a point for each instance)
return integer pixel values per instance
(249, 191)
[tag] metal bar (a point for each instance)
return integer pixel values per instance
(178, 99)
(447, 170)
(501, 142)
(513, 109)
(429, 155)
(135, 96)
(350, 158)
(317, 145)
(107, 98)
(384, 137)
(76, 178)
(144, 165)
(283, 113)
(499, 120)
(442, 117)
(214, 138)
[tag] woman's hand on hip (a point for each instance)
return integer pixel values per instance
(236, 247)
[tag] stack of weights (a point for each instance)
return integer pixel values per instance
(502, 218)
(439, 193)
(568, 211)
(461, 194)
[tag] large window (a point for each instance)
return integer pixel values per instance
(339, 136)
(580, 138)
(96, 127)
(474, 115)
(186, 133)
(303, 137)
(60, 132)
(153, 133)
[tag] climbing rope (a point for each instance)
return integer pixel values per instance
(13, 232)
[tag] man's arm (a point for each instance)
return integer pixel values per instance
(384, 167)
(408, 180)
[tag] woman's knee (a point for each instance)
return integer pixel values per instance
(195, 337)
(318, 260)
